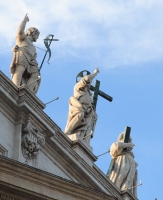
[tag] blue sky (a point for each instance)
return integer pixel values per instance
(124, 39)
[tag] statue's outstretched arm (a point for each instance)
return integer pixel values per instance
(90, 77)
(85, 80)
(126, 145)
(21, 28)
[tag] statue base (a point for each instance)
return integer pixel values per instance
(85, 141)
(82, 148)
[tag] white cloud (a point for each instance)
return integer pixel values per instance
(116, 32)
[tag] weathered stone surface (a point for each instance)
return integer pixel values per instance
(127, 195)
(4, 196)
(24, 67)
(124, 173)
(7, 134)
(84, 150)
(32, 183)
(60, 172)
(81, 110)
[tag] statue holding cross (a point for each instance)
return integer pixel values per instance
(82, 107)
(122, 171)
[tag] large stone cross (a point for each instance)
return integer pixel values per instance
(94, 88)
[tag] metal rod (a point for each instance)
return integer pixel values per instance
(29, 83)
(134, 186)
(103, 153)
(34, 81)
(40, 48)
(52, 100)
(46, 53)
(85, 136)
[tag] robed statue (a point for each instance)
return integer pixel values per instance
(81, 109)
(124, 172)
(24, 66)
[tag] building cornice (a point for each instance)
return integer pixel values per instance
(35, 181)
(28, 106)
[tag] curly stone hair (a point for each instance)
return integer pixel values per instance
(32, 31)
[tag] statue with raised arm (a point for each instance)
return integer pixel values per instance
(81, 109)
(124, 173)
(24, 67)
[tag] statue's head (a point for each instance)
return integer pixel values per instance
(31, 147)
(34, 32)
(121, 137)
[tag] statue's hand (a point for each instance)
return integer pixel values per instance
(131, 145)
(96, 71)
(26, 19)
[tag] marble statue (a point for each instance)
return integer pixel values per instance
(81, 109)
(124, 173)
(24, 67)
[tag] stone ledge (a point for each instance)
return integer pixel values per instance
(34, 181)
(127, 195)
(19, 92)
(85, 149)
(25, 101)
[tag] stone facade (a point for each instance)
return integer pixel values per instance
(39, 161)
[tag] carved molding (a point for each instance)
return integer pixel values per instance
(127, 195)
(3, 151)
(32, 139)
(7, 197)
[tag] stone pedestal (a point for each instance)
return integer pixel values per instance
(74, 137)
(84, 152)
(81, 147)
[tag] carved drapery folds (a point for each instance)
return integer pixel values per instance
(31, 141)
